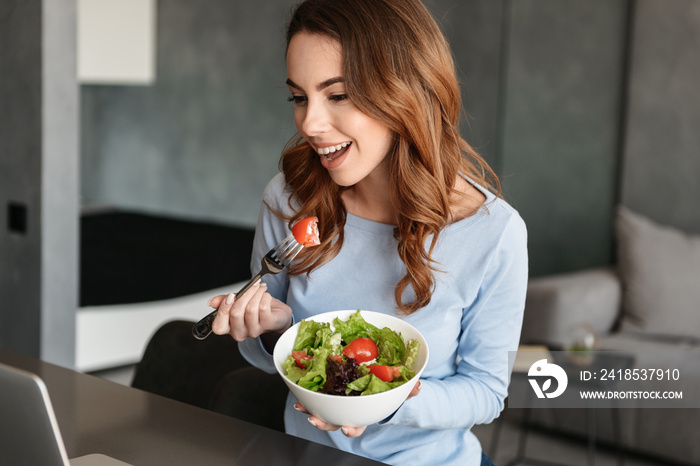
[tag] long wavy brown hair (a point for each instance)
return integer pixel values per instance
(398, 69)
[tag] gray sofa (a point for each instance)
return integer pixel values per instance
(649, 306)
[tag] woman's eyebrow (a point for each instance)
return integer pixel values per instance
(322, 85)
(329, 82)
(291, 83)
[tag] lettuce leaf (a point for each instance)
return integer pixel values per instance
(371, 384)
(359, 385)
(315, 376)
(411, 353)
(377, 385)
(308, 336)
(353, 328)
(326, 338)
(294, 372)
(391, 347)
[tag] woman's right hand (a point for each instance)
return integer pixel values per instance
(252, 314)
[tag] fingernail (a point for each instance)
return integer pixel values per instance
(420, 384)
(296, 406)
(229, 298)
(312, 422)
(258, 282)
(345, 431)
(209, 302)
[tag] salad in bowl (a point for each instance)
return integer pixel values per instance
(351, 367)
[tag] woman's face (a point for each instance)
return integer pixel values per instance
(349, 144)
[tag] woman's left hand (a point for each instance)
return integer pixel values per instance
(347, 430)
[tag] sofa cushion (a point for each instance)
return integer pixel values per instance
(558, 305)
(660, 273)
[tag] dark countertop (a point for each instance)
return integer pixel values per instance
(99, 416)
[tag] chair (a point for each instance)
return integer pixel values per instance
(178, 366)
(211, 374)
(251, 395)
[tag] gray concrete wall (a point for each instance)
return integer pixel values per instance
(475, 31)
(206, 137)
(560, 130)
(662, 150)
(38, 178)
(20, 175)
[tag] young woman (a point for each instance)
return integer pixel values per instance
(411, 224)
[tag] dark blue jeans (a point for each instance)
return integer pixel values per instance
(485, 461)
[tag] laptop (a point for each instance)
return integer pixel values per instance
(29, 433)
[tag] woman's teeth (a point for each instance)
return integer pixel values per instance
(331, 149)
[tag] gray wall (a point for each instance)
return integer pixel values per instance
(475, 30)
(661, 175)
(38, 178)
(204, 140)
(560, 130)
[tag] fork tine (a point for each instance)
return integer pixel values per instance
(291, 254)
(288, 239)
(285, 245)
(285, 251)
(279, 252)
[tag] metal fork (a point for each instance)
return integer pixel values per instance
(273, 262)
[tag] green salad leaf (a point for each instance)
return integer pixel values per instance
(311, 334)
(312, 377)
(371, 384)
(391, 347)
(353, 328)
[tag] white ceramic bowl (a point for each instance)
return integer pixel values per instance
(353, 410)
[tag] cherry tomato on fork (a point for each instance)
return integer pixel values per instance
(361, 350)
(306, 233)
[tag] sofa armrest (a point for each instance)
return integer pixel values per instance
(558, 304)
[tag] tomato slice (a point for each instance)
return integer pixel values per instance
(306, 233)
(301, 358)
(361, 350)
(386, 373)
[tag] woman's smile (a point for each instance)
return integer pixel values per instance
(332, 149)
(333, 156)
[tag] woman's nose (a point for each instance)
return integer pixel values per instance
(315, 120)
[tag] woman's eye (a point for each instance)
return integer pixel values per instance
(296, 99)
(338, 97)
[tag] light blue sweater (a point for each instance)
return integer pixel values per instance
(472, 322)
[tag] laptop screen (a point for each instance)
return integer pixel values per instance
(29, 432)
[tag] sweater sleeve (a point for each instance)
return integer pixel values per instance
(269, 231)
(491, 328)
